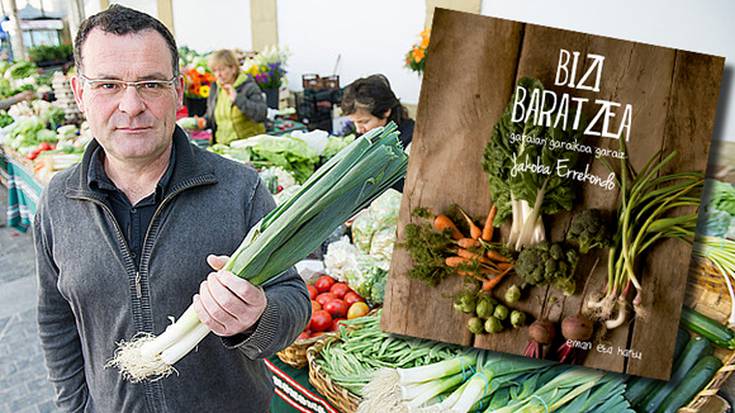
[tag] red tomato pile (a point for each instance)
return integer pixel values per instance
(43, 146)
(331, 302)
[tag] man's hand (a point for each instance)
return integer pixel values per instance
(227, 304)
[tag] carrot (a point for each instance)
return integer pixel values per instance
(471, 274)
(487, 230)
(443, 222)
(488, 285)
(504, 265)
(475, 231)
(467, 243)
(496, 256)
(472, 256)
(456, 261)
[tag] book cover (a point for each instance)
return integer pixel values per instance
(591, 153)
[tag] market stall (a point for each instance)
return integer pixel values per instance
(344, 359)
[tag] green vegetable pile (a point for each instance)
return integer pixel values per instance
(363, 348)
(5, 119)
(718, 219)
(548, 263)
(335, 144)
(287, 152)
(43, 53)
(21, 70)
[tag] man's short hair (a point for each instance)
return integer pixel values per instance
(121, 20)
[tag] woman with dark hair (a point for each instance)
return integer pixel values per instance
(369, 102)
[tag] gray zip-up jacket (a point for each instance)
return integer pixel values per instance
(91, 295)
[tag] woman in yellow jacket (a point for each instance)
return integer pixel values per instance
(236, 107)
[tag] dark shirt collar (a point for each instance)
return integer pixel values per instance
(100, 182)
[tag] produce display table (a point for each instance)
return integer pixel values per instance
(281, 126)
(24, 190)
(293, 390)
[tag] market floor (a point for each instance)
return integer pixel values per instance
(23, 384)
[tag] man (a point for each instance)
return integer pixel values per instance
(122, 241)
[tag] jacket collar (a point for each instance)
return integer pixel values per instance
(189, 169)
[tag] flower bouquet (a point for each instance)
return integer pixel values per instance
(269, 68)
(416, 57)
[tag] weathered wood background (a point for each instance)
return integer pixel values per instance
(474, 64)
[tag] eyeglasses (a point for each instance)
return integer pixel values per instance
(112, 88)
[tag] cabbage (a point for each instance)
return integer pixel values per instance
(287, 152)
(336, 144)
(374, 228)
(346, 262)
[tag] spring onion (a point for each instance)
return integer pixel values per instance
(346, 184)
(647, 201)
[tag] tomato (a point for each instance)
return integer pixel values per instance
(34, 154)
(321, 320)
(315, 306)
(312, 292)
(324, 283)
(324, 297)
(44, 146)
(303, 336)
(358, 309)
(335, 324)
(352, 298)
(339, 289)
(337, 308)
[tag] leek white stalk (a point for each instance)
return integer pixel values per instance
(427, 391)
(477, 388)
(343, 186)
(435, 371)
(403, 390)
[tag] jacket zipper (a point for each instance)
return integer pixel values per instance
(138, 288)
(153, 391)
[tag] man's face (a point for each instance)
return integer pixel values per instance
(131, 127)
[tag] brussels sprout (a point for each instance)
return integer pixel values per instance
(517, 318)
(493, 325)
(475, 326)
(467, 301)
(501, 312)
(484, 308)
(512, 294)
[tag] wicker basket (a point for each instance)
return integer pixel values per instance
(707, 293)
(295, 354)
(339, 397)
